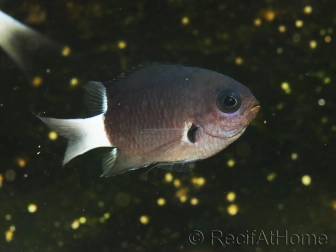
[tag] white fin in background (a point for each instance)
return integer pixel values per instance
(83, 134)
(21, 43)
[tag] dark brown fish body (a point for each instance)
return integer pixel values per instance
(165, 114)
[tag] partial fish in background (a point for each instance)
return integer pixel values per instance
(26, 47)
(159, 113)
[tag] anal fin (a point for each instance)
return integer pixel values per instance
(115, 162)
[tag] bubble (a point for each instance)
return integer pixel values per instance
(231, 163)
(75, 224)
(321, 102)
(161, 201)
(193, 201)
(144, 219)
(66, 51)
(233, 209)
(169, 177)
(257, 22)
(122, 44)
(231, 196)
(32, 208)
(37, 81)
(298, 23)
(185, 20)
(10, 175)
(306, 180)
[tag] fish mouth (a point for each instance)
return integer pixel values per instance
(255, 108)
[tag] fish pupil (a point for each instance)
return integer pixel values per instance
(191, 134)
(230, 101)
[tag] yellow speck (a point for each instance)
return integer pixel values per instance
(257, 22)
(169, 177)
(106, 216)
(307, 9)
(231, 163)
(231, 196)
(10, 175)
(182, 194)
(321, 102)
(298, 23)
(185, 21)
(8, 217)
(269, 15)
(233, 209)
(285, 87)
(333, 204)
(75, 224)
(193, 201)
(73, 82)
(66, 51)
(279, 50)
(265, 122)
(239, 61)
(324, 119)
(82, 220)
(177, 183)
(281, 206)
(1, 179)
(306, 180)
(282, 28)
(52, 135)
(122, 44)
(271, 176)
(296, 37)
(32, 208)
(327, 39)
(161, 201)
(294, 156)
(21, 162)
(37, 81)
(144, 219)
(183, 198)
(313, 44)
(198, 181)
(12, 228)
(9, 235)
(326, 80)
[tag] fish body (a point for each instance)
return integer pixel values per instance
(161, 113)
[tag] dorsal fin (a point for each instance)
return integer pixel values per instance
(135, 69)
(95, 98)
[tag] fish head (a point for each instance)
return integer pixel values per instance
(227, 108)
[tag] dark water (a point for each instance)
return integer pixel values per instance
(292, 139)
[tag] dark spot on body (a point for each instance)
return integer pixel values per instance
(192, 133)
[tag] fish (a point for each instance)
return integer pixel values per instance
(157, 113)
(160, 113)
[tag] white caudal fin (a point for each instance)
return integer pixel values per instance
(22, 43)
(83, 134)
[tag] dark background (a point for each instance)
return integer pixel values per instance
(217, 34)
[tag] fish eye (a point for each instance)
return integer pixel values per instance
(228, 101)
